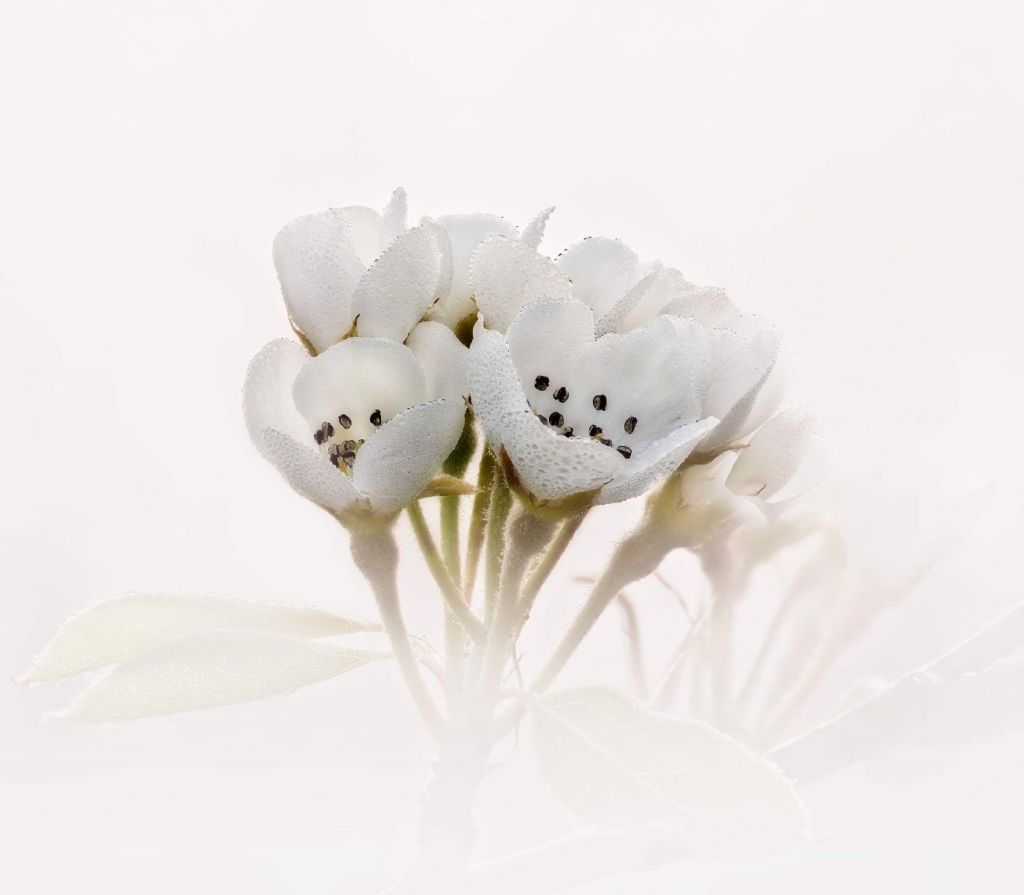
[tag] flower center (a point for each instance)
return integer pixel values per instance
(602, 423)
(341, 438)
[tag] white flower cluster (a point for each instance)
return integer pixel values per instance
(593, 376)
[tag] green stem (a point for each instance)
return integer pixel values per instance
(478, 522)
(449, 590)
(497, 520)
(376, 555)
(544, 568)
(454, 636)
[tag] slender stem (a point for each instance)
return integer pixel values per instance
(497, 520)
(548, 561)
(635, 557)
(449, 590)
(527, 536)
(376, 555)
(478, 522)
(665, 690)
(454, 636)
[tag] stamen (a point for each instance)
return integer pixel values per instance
(375, 418)
(600, 402)
(626, 452)
(348, 457)
(568, 432)
(345, 420)
(556, 419)
(561, 394)
(607, 442)
(595, 431)
(325, 431)
(541, 383)
(629, 425)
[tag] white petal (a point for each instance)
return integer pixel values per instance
(400, 286)
(506, 274)
(774, 454)
(396, 464)
(310, 473)
(210, 669)
(655, 462)
(356, 378)
(602, 271)
(614, 762)
(548, 336)
(126, 627)
(393, 219)
(533, 232)
(364, 226)
(465, 232)
(708, 304)
(267, 394)
(549, 465)
(445, 360)
(318, 269)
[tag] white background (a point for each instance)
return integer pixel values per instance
(852, 171)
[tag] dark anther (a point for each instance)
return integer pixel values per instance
(541, 383)
(625, 451)
(330, 430)
(556, 419)
(375, 417)
(568, 432)
(629, 425)
(319, 436)
(334, 459)
(600, 402)
(349, 445)
(594, 431)
(345, 420)
(561, 394)
(348, 457)
(607, 442)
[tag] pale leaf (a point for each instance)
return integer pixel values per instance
(614, 762)
(210, 669)
(126, 627)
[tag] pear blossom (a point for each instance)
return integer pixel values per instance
(576, 414)
(364, 427)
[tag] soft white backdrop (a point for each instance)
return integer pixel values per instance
(852, 171)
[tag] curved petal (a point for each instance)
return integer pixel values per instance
(310, 473)
(465, 232)
(363, 231)
(549, 465)
(318, 269)
(267, 401)
(533, 232)
(397, 290)
(400, 460)
(368, 380)
(656, 461)
(548, 336)
(774, 454)
(505, 274)
(393, 218)
(445, 360)
(602, 271)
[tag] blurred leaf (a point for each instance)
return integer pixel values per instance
(614, 762)
(127, 627)
(210, 669)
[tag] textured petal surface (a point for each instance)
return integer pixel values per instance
(211, 669)
(550, 466)
(358, 378)
(465, 233)
(602, 271)
(614, 762)
(401, 459)
(318, 269)
(126, 627)
(505, 274)
(533, 232)
(267, 401)
(400, 286)
(444, 359)
(393, 219)
(655, 462)
(309, 472)
(364, 226)
(774, 454)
